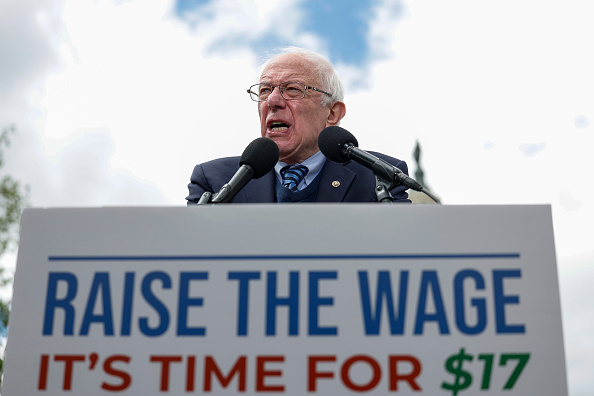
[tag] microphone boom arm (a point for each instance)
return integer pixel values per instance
(387, 176)
(385, 179)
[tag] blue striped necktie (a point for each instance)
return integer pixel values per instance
(292, 175)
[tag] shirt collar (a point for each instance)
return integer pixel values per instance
(315, 163)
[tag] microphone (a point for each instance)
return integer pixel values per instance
(258, 158)
(340, 145)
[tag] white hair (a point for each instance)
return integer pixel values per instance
(327, 75)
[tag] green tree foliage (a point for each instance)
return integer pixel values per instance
(13, 199)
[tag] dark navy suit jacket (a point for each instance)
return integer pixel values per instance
(356, 183)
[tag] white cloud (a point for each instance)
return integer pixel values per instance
(27, 29)
(470, 75)
(164, 104)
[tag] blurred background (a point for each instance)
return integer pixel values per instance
(113, 102)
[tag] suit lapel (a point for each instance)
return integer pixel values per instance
(258, 190)
(336, 180)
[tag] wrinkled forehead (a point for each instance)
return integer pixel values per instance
(289, 67)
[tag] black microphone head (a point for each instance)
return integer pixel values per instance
(332, 141)
(261, 155)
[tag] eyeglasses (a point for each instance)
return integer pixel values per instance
(291, 90)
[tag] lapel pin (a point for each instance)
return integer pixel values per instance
(335, 183)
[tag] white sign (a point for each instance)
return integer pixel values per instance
(287, 300)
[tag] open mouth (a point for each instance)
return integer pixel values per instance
(278, 126)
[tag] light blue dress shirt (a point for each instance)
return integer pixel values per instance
(315, 163)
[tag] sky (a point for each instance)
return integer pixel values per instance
(114, 102)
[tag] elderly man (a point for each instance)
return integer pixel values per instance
(299, 94)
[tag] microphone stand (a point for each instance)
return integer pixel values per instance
(229, 190)
(386, 179)
(205, 199)
(223, 196)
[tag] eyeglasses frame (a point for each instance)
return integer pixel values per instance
(249, 91)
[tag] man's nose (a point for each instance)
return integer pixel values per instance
(275, 99)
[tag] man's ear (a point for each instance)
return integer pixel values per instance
(337, 111)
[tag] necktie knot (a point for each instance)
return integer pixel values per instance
(292, 175)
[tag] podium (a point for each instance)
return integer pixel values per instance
(286, 299)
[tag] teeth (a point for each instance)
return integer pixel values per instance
(278, 126)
